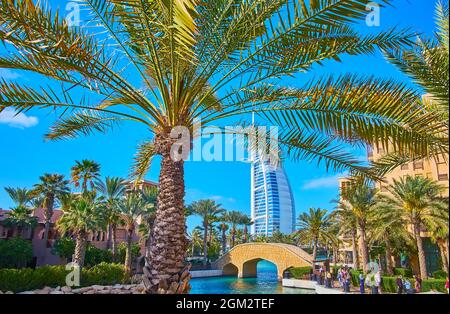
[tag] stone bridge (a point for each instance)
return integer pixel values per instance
(242, 259)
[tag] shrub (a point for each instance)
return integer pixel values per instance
(404, 272)
(15, 252)
(354, 274)
(121, 251)
(64, 248)
(300, 272)
(434, 285)
(440, 274)
(389, 284)
(95, 256)
(18, 280)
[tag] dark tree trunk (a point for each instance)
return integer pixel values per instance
(166, 272)
(389, 265)
(113, 241)
(355, 250)
(314, 254)
(224, 241)
(49, 203)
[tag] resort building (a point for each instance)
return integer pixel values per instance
(272, 203)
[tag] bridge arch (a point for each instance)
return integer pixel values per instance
(243, 259)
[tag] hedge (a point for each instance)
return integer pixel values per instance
(440, 274)
(300, 272)
(389, 284)
(17, 280)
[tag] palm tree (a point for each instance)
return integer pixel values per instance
(427, 64)
(131, 209)
(86, 171)
(149, 195)
(314, 228)
(234, 218)
(82, 214)
(223, 228)
(417, 199)
(246, 221)
(209, 211)
(348, 226)
(20, 218)
(196, 240)
(50, 189)
(112, 189)
(186, 53)
(439, 232)
(20, 196)
(360, 200)
(387, 225)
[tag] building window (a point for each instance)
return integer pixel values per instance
(418, 165)
(404, 167)
(443, 177)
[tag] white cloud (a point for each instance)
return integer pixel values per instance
(221, 198)
(17, 120)
(321, 183)
(8, 74)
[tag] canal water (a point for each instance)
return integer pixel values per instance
(266, 282)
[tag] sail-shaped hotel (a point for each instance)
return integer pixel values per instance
(272, 202)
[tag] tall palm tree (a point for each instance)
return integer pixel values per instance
(20, 218)
(234, 219)
(188, 52)
(22, 197)
(131, 208)
(50, 188)
(209, 211)
(314, 228)
(360, 200)
(418, 200)
(246, 221)
(348, 226)
(112, 189)
(82, 214)
(86, 171)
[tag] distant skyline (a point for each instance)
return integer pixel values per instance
(25, 155)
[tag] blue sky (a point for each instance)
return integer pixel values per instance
(25, 155)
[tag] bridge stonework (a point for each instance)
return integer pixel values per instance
(242, 259)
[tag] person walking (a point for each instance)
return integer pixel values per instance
(376, 289)
(361, 284)
(446, 284)
(417, 284)
(399, 284)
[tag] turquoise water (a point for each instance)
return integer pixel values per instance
(266, 282)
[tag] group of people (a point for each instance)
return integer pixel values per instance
(372, 281)
(404, 285)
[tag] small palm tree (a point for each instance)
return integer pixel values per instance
(86, 171)
(196, 240)
(418, 200)
(234, 218)
(246, 221)
(387, 225)
(20, 196)
(82, 214)
(131, 208)
(50, 189)
(314, 228)
(112, 189)
(210, 212)
(223, 228)
(20, 218)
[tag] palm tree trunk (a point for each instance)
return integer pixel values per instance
(80, 249)
(128, 251)
(420, 251)
(233, 236)
(224, 241)
(443, 257)
(49, 203)
(113, 241)
(109, 241)
(389, 265)
(363, 246)
(166, 270)
(205, 245)
(245, 234)
(355, 251)
(314, 254)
